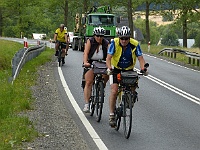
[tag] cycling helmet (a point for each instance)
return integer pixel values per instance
(62, 25)
(99, 31)
(124, 32)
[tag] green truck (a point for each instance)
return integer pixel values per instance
(85, 23)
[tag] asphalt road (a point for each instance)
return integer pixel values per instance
(166, 117)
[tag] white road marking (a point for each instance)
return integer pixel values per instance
(174, 89)
(82, 117)
(172, 63)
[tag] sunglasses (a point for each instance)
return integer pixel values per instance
(124, 38)
(99, 35)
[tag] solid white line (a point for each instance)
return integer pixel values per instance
(171, 86)
(82, 117)
(173, 89)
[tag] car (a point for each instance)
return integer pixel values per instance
(71, 35)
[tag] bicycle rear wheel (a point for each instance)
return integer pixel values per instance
(127, 114)
(118, 112)
(99, 100)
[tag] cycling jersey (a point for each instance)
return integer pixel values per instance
(61, 35)
(124, 59)
(94, 46)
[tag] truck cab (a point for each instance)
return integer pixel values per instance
(85, 24)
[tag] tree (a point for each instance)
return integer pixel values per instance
(130, 15)
(197, 40)
(185, 12)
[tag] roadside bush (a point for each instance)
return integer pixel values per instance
(170, 39)
(197, 40)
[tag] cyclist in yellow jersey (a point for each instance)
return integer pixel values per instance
(61, 36)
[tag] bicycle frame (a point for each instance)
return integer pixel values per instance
(126, 97)
(97, 95)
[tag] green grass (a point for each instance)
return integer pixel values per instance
(17, 97)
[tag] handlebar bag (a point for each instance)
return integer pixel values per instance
(99, 68)
(129, 77)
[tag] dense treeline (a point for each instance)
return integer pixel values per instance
(24, 17)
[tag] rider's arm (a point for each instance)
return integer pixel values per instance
(86, 52)
(108, 61)
(140, 57)
(111, 51)
(55, 37)
(141, 61)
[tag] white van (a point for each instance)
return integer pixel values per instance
(71, 35)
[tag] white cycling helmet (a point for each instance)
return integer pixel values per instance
(62, 25)
(99, 31)
(124, 31)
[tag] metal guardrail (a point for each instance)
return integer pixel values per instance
(24, 55)
(193, 58)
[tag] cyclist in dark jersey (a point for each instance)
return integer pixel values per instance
(95, 49)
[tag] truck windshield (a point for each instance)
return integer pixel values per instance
(101, 20)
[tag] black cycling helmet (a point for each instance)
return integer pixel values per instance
(99, 31)
(124, 31)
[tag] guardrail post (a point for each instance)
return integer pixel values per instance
(189, 60)
(171, 54)
(168, 54)
(174, 55)
(193, 61)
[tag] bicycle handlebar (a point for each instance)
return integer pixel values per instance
(142, 72)
(91, 65)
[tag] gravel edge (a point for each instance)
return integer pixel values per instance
(56, 127)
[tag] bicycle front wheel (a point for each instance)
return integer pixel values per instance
(127, 114)
(99, 100)
(92, 100)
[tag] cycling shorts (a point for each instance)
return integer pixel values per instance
(63, 44)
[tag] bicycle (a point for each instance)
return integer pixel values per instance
(61, 58)
(97, 94)
(126, 97)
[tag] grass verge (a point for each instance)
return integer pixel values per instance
(17, 98)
